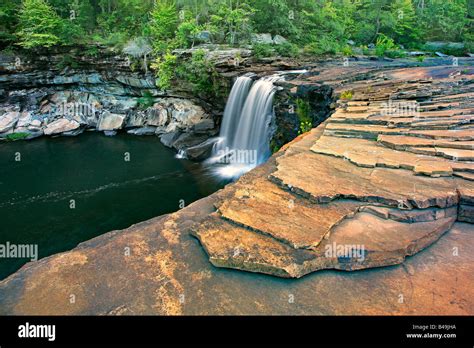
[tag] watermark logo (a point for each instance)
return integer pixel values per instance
(76, 109)
(19, 251)
(401, 108)
(237, 156)
(37, 331)
(345, 251)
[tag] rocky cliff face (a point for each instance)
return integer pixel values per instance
(297, 103)
(38, 96)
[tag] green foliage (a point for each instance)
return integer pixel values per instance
(320, 27)
(201, 74)
(383, 45)
(445, 20)
(146, 100)
(165, 67)
(287, 49)
(186, 33)
(39, 25)
(274, 147)
(303, 110)
(262, 50)
(67, 61)
(163, 24)
(233, 19)
(16, 136)
(347, 50)
(115, 41)
(326, 45)
(347, 95)
(8, 21)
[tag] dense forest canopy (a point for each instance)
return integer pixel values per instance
(316, 24)
(155, 28)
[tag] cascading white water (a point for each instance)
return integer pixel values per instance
(232, 112)
(245, 132)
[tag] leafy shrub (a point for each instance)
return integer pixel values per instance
(384, 44)
(200, 73)
(116, 41)
(261, 50)
(165, 67)
(395, 54)
(146, 100)
(326, 45)
(287, 49)
(347, 50)
(347, 95)
(303, 111)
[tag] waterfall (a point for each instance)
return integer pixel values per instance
(245, 133)
(232, 112)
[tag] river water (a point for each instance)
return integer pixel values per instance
(59, 192)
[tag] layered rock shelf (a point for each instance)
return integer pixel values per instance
(375, 185)
(389, 173)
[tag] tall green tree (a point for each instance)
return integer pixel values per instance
(39, 25)
(163, 24)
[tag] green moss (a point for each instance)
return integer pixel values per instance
(347, 95)
(17, 136)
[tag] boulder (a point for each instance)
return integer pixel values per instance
(204, 126)
(203, 36)
(61, 126)
(169, 138)
(262, 38)
(109, 121)
(73, 133)
(279, 40)
(35, 123)
(24, 119)
(136, 119)
(157, 116)
(201, 151)
(186, 114)
(187, 140)
(143, 131)
(8, 121)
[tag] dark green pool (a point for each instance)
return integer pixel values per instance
(90, 171)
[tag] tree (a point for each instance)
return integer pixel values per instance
(139, 48)
(404, 29)
(8, 20)
(39, 25)
(233, 20)
(163, 24)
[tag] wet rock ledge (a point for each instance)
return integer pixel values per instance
(367, 188)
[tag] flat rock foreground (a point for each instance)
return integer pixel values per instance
(387, 180)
